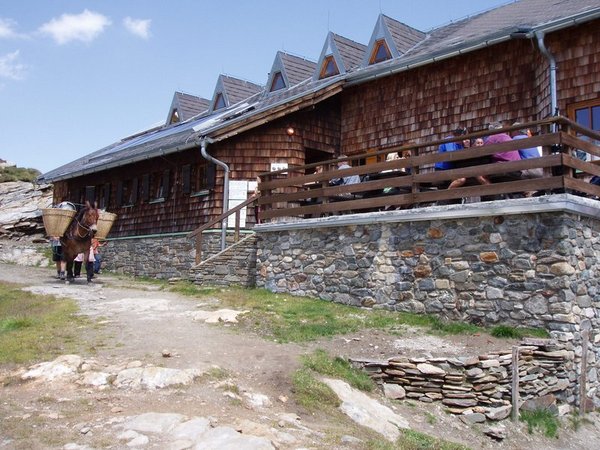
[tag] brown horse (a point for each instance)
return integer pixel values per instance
(78, 238)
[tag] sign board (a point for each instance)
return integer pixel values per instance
(238, 193)
(278, 166)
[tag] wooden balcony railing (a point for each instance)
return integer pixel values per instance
(297, 192)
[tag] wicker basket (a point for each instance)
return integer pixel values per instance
(56, 220)
(105, 223)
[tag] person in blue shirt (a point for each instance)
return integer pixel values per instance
(449, 147)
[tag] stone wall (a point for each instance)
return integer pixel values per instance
(173, 256)
(158, 256)
(528, 262)
(481, 384)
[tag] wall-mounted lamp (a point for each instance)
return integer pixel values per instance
(290, 131)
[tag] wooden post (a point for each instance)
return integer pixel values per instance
(585, 337)
(515, 384)
(236, 236)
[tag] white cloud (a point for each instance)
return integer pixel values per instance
(84, 27)
(138, 27)
(7, 29)
(10, 67)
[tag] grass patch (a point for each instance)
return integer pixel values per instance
(191, 290)
(414, 440)
(337, 367)
(506, 331)
(576, 421)
(18, 174)
(35, 327)
(311, 393)
(286, 318)
(541, 419)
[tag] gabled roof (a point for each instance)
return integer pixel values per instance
(233, 90)
(293, 69)
(187, 106)
(481, 30)
(486, 29)
(398, 37)
(346, 53)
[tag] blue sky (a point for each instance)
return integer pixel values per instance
(77, 75)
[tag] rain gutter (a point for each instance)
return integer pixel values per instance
(203, 143)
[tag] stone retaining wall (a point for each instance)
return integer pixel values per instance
(481, 384)
(508, 262)
(161, 257)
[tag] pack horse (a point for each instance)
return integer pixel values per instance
(78, 238)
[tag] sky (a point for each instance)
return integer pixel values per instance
(78, 75)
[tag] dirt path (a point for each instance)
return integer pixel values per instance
(139, 325)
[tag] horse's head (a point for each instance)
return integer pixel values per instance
(89, 217)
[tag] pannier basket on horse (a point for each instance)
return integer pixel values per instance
(57, 220)
(105, 223)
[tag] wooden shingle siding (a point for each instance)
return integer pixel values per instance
(428, 102)
(247, 155)
(578, 60)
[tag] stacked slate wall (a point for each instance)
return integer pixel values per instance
(482, 383)
(536, 270)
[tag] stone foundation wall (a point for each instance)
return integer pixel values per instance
(161, 257)
(536, 269)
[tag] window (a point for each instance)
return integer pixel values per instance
(160, 185)
(381, 52)
(186, 173)
(219, 101)
(278, 82)
(104, 195)
(174, 117)
(127, 192)
(329, 68)
(146, 187)
(202, 178)
(586, 114)
(90, 194)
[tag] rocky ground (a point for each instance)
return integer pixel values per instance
(156, 375)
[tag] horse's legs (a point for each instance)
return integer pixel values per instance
(89, 270)
(69, 270)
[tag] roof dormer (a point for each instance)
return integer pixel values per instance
(289, 70)
(390, 39)
(230, 90)
(185, 106)
(339, 55)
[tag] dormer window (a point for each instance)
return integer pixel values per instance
(329, 68)
(381, 52)
(219, 101)
(174, 117)
(278, 82)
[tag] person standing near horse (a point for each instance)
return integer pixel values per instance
(78, 238)
(57, 257)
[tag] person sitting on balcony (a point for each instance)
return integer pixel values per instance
(499, 138)
(343, 181)
(350, 179)
(528, 153)
(450, 147)
(479, 178)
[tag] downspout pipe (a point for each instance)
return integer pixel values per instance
(552, 61)
(204, 141)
